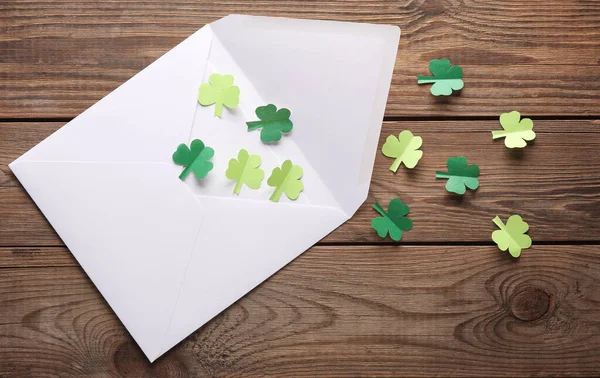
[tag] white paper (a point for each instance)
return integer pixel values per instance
(169, 255)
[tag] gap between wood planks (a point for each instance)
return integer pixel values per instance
(390, 244)
(385, 119)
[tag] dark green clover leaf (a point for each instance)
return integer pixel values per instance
(392, 222)
(445, 79)
(195, 159)
(272, 121)
(460, 175)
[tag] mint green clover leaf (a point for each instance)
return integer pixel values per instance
(512, 236)
(405, 148)
(195, 159)
(516, 130)
(219, 91)
(392, 222)
(245, 170)
(286, 180)
(460, 175)
(272, 121)
(446, 77)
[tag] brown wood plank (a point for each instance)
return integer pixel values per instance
(554, 184)
(60, 57)
(334, 311)
(30, 257)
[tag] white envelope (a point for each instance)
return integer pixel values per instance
(169, 255)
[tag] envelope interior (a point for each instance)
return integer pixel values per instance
(327, 78)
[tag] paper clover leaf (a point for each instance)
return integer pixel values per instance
(445, 77)
(405, 149)
(516, 130)
(286, 180)
(460, 175)
(245, 170)
(392, 222)
(512, 235)
(195, 159)
(219, 91)
(272, 121)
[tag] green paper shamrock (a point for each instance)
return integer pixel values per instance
(445, 77)
(392, 222)
(195, 159)
(245, 170)
(405, 149)
(272, 121)
(286, 180)
(460, 175)
(516, 130)
(220, 91)
(512, 236)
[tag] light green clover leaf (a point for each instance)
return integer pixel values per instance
(219, 91)
(286, 180)
(516, 130)
(245, 170)
(405, 148)
(512, 235)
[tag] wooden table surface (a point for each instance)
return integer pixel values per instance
(443, 302)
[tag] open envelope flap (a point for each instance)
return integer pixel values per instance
(335, 78)
(141, 121)
(132, 229)
(241, 244)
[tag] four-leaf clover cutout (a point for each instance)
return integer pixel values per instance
(460, 175)
(392, 222)
(272, 121)
(245, 170)
(219, 91)
(445, 79)
(516, 131)
(405, 148)
(512, 235)
(286, 180)
(195, 159)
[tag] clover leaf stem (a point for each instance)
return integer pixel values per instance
(396, 164)
(426, 79)
(238, 186)
(499, 134)
(185, 172)
(380, 210)
(253, 125)
(439, 174)
(218, 109)
(277, 194)
(498, 222)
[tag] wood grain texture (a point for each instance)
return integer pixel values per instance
(554, 184)
(59, 57)
(442, 302)
(334, 311)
